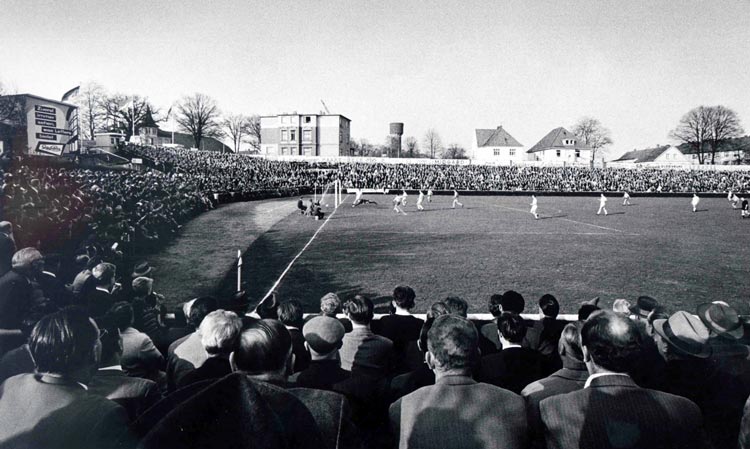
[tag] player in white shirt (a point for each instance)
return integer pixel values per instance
(695, 202)
(455, 199)
(735, 201)
(602, 205)
(729, 196)
(429, 195)
(403, 197)
(419, 200)
(357, 197)
(533, 207)
(626, 199)
(398, 201)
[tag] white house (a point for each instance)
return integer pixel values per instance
(497, 145)
(561, 146)
(659, 155)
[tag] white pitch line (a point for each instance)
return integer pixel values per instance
(488, 233)
(572, 221)
(278, 281)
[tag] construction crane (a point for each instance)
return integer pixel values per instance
(325, 107)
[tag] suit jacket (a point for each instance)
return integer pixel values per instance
(133, 393)
(543, 336)
(184, 355)
(213, 368)
(43, 412)
(571, 377)
(17, 361)
(235, 412)
(98, 302)
(140, 358)
(403, 331)
(458, 412)
(512, 368)
(301, 356)
(489, 342)
(7, 249)
(332, 415)
(614, 412)
(321, 374)
(362, 349)
(15, 299)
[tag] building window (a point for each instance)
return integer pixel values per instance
(306, 135)
(308, 119)
(496, 151)
(558, 153)
(578, 153)
(293, 135)
(284, 135)
(512, 152)
(341, 136)
(307, 151)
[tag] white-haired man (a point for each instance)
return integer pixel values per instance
(16, 290)
(219, 333)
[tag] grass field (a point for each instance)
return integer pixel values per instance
(657, 246)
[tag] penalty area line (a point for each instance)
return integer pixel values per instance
(289, 267)
(568, 219)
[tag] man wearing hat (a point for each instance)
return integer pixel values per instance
(7, 246)
(683, 341)
(612, 410)
(323, 336)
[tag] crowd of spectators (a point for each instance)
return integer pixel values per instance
(100, 370)
(91, 357)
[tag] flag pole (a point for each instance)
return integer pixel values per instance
(239, 270)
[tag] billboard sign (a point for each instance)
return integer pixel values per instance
(51, 126)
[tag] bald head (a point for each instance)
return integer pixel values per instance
(613, 342)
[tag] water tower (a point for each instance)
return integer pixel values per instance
(397, 130)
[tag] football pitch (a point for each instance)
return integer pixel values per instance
(656, 246)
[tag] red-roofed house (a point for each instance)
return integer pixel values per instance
(561, 145)
(497, 145)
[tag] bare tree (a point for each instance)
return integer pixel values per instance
(724, 124)
(592, 133)
(237, 127)
(412, 148)
(123, 113)
(198, 115)
(11, 109)
(454, 151)
(432, 142)
(254, 131)
(91, 108)
(694, 130)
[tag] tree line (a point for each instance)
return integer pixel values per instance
(197, 115)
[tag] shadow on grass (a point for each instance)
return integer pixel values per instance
(269, 256)
(553, 216)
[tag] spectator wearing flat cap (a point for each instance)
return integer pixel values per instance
(611, 411)
(323, 337)
(688, 372)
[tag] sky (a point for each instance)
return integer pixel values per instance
(453, 66)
